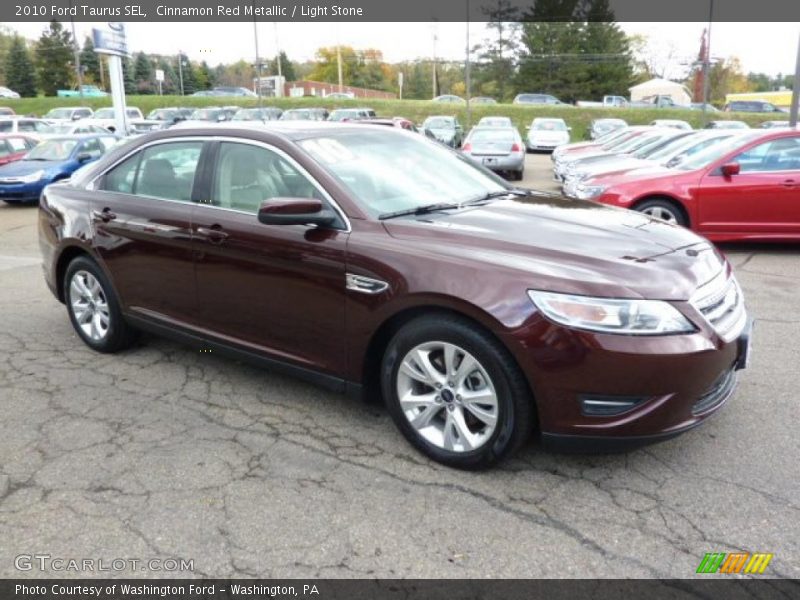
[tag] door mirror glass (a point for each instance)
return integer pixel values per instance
(84, 157)
(730, 169)
(295, 211)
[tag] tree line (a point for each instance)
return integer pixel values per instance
(583, 59)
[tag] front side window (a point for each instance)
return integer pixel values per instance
(775, 155)
(247, 175)
(163, 171)
(53, 150)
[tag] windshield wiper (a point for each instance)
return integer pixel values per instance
(419, 210)
(493, 195)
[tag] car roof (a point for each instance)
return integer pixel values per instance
(290, 130)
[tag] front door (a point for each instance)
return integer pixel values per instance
(275, 289)
(763, 198)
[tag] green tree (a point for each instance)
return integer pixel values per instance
(6, 39)
(143, 74)
(127, 76)
(497, 54)
(54, 59)
(19, 71)
(205, 77)
(287, 67)
(582, 58)
(90, 61)
(189, 78)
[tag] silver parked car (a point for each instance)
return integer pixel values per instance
(497, 148)
(547, 134)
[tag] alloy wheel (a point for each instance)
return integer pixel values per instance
(447, 396)
(89, 305)
(660, 212)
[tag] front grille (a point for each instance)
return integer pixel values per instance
(720, 301)
(718, 393)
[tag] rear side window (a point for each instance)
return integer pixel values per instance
(6, 126)
(164, 171)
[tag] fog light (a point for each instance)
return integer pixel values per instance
(607, 406)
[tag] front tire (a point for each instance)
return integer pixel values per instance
(94, 309)
(455, 392)
(663, 209)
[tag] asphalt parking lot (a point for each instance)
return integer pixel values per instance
(164, 452)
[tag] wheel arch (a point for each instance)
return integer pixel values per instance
(66, 256)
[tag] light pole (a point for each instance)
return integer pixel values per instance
(795, 90)
(258, 58)
(706, 60)
(180, 69)
(76, 54)
(467, 75)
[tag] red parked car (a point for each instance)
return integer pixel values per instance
(746, 191)
(14, 146)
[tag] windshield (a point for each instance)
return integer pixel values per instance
(609, 124)
(161, 114)
(104, 113)
(662, 144)
(492, 135)
(249, 114)
(637, 142)
(59, 113)
(206, 114)
(60, 129)
(298, 114)
(549, 126)
(494, 122)
(52, 150)
(388, 171)
(715, 152)
(438, 123)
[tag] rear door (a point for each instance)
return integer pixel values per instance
(763, 198)
(141, 211)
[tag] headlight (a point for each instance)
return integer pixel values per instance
(588, 192)
(611, 315)
(35, 176)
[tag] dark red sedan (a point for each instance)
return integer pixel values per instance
(374, 261)
(746, 190)
(14, 146)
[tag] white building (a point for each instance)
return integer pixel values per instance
(661, 87)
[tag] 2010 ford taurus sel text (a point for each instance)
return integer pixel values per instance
(374, 260)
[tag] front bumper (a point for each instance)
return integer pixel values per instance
(21, 192)
(601, 392)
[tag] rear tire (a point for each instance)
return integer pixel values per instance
(94, 309)
(663, 209)
(455, 392)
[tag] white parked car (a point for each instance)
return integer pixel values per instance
(68, 113)
(546, 134)
(17, 124)
(672, 123)
(7, 92)
(104, 117)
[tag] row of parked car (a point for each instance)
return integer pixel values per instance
(728, 184)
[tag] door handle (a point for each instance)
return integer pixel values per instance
(789, 183)
(213, 234)
(104, 215)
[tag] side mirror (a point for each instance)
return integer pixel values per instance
(220, 118)
(76, 117)
(84, 157)
(295, 211)
(730, 169)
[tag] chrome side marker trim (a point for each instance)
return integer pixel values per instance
(365, 285)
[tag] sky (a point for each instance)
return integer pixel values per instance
(761, 47)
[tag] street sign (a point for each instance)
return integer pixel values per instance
(159, 75)
(110, 38)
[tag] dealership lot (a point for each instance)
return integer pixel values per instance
(166, 452)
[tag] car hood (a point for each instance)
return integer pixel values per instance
(21, 168)
(560, 245)
(640, 175)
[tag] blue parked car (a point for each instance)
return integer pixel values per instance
(51, 160)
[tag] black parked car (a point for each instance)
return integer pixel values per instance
(756, 106)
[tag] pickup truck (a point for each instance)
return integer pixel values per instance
(608, 102)
(658, 101)
(89, 91)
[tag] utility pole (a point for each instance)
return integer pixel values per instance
(180, 69)
(795, 90)
(258, 59)
(77, 55)
(434, 62)
(706, 62)
(339, 65)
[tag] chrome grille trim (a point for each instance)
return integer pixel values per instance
(721, 303)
